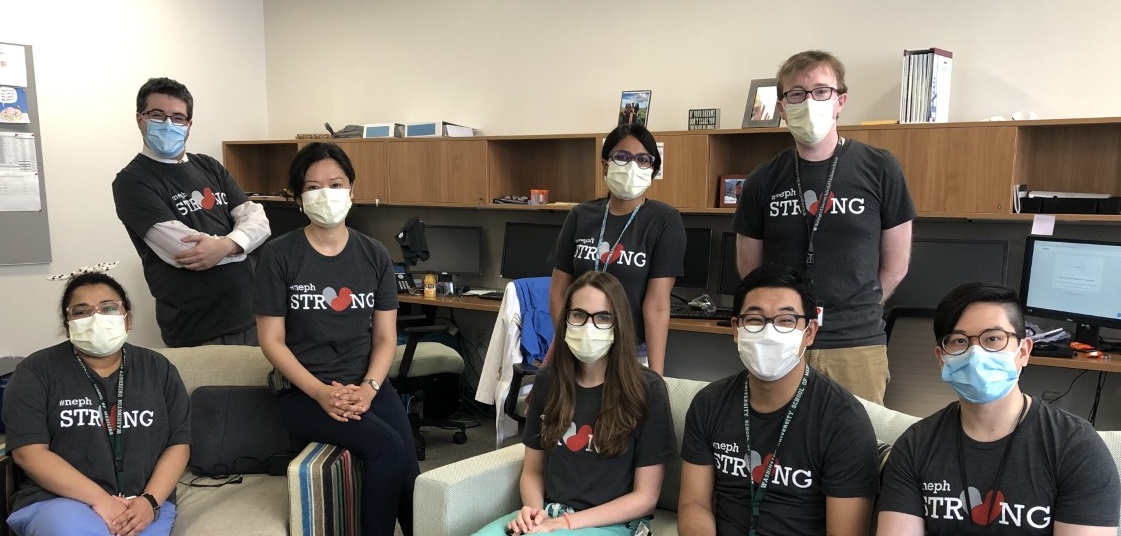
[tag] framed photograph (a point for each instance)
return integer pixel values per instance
(729, 188)
(762, 104)
(634, 107)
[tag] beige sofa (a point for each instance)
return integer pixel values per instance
(459, 498)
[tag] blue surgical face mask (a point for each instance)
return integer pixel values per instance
(981, 376)
(167, 139)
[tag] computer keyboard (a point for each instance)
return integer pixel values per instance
(700, 314)
(496, 295)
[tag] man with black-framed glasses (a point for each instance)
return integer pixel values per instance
(996, 461)
(191, 224)
(778, 448)
(840, 210)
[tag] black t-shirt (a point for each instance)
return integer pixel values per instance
(191, 307)
(1058, 470)
(829, 451)
(328, 302)
(653, 247)
(574, 473)
(50, 401)
(869, 195)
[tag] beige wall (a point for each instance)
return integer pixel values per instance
(517, 67)
(90, 59)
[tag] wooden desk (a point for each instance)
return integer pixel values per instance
(475, 303)
(1081, 362)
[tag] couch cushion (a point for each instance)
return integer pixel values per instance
(219, 365)
(256, 507)
(888, 424)
(681, 393)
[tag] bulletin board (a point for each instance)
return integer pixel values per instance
(25, 236)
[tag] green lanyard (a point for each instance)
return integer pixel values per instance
(757, 498)
(114, 435)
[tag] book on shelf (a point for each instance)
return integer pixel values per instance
(924, 95)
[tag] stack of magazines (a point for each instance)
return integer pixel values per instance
(925, 94)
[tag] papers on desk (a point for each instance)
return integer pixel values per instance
(480, 291)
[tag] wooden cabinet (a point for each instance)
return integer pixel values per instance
(957, 170)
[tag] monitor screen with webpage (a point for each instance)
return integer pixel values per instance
(526, 250)
(1073, 280)
(697, 246)
(451, 249)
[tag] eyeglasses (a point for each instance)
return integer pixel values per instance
(754, 323)
(107, 307)
(992, 340)
(796, 96)
(621, 157)
(159, 116)
(579, 317)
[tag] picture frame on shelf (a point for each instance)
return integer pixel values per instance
(762, 104)
(729, 189)
(634, 107)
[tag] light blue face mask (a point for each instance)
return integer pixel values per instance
(167, 139)
(981, 376)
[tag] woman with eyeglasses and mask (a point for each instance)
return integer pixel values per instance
(638, 240)
(326, 305)
(996, 461)
(598, 430)
(99, 426)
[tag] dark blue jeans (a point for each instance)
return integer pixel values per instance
(382, 440)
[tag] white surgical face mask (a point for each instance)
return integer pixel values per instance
(589, 343)
(628, 181)
(98, 335)
(810, 120)
(768, 354)
(326, 207)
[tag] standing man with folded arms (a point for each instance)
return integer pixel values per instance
(856, 249)
(191, 224)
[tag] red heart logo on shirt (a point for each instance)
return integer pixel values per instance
(580, 439)
(342, 301)
(812, 202)
(993, 499)
(208, 198)
(604, 258)
(758, 470)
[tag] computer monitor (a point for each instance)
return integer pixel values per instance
(729, 274)
(451, 249)
(1073, 280)
(526, 250)
(697, 246)
(940, 265)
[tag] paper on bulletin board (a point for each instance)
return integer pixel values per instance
(19, 192)
(17, 152)
(13, 105)
(13, 65)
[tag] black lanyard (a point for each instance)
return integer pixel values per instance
(822, 202)
(999, 472)
(757, 498)
(603, 227)
(114, 435)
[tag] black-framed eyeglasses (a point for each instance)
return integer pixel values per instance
(621, 157)
(796, 96)
(107, 307)
(579, 317)
(159, 116)
(992, 340)
(754, 323)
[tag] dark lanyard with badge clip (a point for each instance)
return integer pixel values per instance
(757, 498)
(115, 440)
(603, 228)
(822, 203)
(999, 471)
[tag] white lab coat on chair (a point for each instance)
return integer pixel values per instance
(503, 351)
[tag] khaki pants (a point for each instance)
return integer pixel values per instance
(861, 369)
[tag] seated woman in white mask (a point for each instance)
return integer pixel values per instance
(99, 426)
(638, 240)
(598, 430)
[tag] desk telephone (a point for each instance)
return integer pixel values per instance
(405, 281)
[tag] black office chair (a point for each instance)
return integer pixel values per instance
(427, 376)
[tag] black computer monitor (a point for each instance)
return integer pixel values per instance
(1073, 280)
(451, 249)
(729, 274)
(940, 265)
(698, 243)
(526, 250)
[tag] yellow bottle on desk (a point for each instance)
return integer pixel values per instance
(430, 286)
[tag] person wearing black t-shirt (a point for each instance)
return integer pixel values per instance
(996, 461)
(777, 449)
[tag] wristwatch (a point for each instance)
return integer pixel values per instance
(152, 501)
(373, 383)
